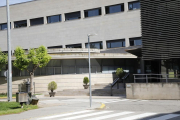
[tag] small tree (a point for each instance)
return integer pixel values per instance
(120, 73)
(3, 59)
(52, 86)
(35, 57)
(86, 80)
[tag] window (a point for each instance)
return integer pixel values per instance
(54, 47)
(72, 16)
(97, 45)
(4, 26)
(134, 5)
(19, 24)
(92, 12)
(74, 46)
(37, 21)
(135, 41)
(116, 43)
(53, 19)
(114, 8)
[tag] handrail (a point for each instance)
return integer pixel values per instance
(153, 76)
(117, 81)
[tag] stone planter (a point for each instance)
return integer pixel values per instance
(34, 101)
(52, 94)
(86, 86)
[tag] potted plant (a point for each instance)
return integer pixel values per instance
(52, 86)
(86, 81)
(120, 73)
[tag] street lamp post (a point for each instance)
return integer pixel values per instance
(9, 80)
(90, 94)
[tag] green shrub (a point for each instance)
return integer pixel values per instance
(52, 86)
(86, 80)
(120, 72)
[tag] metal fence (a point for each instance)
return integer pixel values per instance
(158, 77)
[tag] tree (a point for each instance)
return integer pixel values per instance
(120, 73)
(35, 58)
(3, 59)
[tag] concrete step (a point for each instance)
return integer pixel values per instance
(106, 86)
(95, 92)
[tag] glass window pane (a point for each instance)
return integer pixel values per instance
(53, 19)
(3, 26)
(94, 12)
(115, 43)
(20, 24)
(137, 42)
(74, 46)
(73, 16)
(97, 45)
(114, 9)
(136, 5)
(37, 21)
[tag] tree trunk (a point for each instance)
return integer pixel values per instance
(31, 80)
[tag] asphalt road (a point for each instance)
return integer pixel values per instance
(61, 108)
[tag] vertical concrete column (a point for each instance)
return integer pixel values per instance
(63, 17)
(127, 42)
(103, 11)
(63, 46)
(83, 45)
(45, 20)
(126, 7)
(12, 25)
(82, 14)
(104, 45)
(28, 22)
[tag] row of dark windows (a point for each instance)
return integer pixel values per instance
(74, 15)
(110, 44)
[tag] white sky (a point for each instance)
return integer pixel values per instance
(3, 2)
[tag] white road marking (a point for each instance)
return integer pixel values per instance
(86, 115)
(110, 116)
(166, 117)
(63, 115)
(137, 116)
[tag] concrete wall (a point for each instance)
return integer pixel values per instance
(153, 91)
(70, 81)
(123, 25)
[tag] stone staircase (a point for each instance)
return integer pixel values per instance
(97, 90)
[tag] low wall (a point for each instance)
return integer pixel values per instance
(153, 91)
(69, 81)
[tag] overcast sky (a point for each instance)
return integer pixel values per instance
(3, 2)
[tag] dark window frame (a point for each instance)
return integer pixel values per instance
(107, 7)
(117, 40)
(132, 5)
(60, 18)
(75, 18)
(20, 21)
(36, 19)
(100, 42)
(68, 46)
(132, 41)
(99, 10)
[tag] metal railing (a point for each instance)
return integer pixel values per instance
(117, 80)
(159, 77)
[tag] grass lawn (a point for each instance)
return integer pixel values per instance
(14, 107)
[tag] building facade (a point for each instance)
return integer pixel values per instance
(63, 25)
